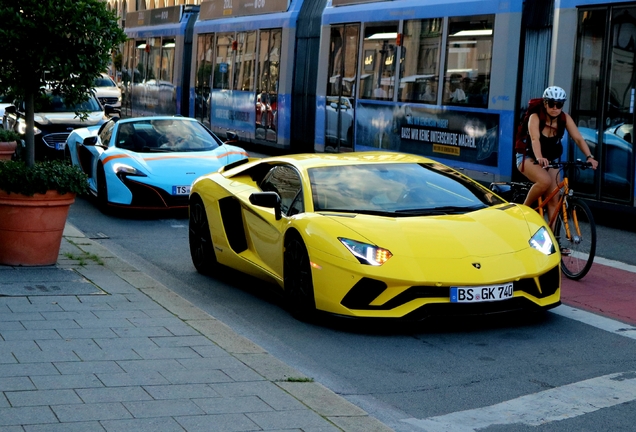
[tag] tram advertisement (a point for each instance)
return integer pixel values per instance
(458, 135)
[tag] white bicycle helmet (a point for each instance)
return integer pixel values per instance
(555, 93)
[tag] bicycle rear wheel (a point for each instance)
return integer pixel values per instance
(579, 248)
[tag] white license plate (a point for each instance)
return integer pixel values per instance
(481, 294)
(180, 190)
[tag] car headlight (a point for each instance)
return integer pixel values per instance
(127, 170)
(542, 242)
(22, 128)
(367, 253)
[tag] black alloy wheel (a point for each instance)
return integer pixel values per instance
(298, 283)
(200, 239)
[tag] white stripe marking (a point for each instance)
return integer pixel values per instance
(597, 321)
(556, 404)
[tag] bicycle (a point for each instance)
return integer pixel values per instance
(574, 226)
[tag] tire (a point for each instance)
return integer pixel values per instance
(297, 279)
(102, 190)
(200, 239)
(582, 244)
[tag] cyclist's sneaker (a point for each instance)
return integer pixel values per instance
(565, 251)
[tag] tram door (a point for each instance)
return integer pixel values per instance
(203, 77)
(341, 88)
(605, 83)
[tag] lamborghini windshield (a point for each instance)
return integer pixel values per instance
(396, 189)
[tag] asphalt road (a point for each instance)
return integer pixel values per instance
(413, 378)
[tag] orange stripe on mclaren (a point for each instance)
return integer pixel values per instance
(109, 158)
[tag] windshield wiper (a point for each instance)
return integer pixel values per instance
(442, 210)
(365, 211)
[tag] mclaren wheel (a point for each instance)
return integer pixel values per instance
(298, 283)
(200, 239)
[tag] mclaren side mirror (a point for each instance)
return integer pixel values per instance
(267, 200)
(90, 141)
(231, 137)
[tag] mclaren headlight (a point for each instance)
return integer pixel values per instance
(126, 170)
(542, 241)
(367, 253)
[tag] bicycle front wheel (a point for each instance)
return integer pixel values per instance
(577, 239)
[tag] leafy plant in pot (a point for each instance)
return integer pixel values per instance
(34, 204)
(8, 143)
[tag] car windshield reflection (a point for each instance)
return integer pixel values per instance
(164, 136)
(396, 189)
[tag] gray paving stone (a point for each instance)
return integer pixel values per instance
(50, 306)
(167, 322)
(51, 324)
(35, 356)
(11, 429)
(89, 412)
(160, 312)
(122, 314)
(166, 353)
(267, 391)
(66, 427)
(242, 373)
(79, 306)
(4, 403)
(134, 379)
(148, 365)
(7, 357)
(72, 315)
(28, 369)
(288, 419)
(86, 367)
(12, 325)
(183, 391)
(138, 343)
(87, 333)
(233, 405)
(29, 335)
(51, 382)
(131, 332)
(196, 377)
(210, 350)
(42, 397)
(35, 316)
(26, 416)
(218, 423)
(113, 394)
(162, 424)
(67, 344)
(103, 323)
(181, 329)
(159, 408)
(227, 361)
(94, 354)
(182, 341)
(15, 384)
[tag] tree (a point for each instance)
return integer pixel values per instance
(63, 43)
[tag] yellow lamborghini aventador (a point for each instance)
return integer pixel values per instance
(374, 234)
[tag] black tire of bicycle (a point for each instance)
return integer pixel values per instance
(579, 207)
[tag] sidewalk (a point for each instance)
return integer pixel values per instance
(92, 344)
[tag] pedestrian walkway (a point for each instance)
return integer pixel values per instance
(92, 344)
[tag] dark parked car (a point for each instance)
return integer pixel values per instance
(54, 121)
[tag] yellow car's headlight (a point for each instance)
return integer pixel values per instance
(542, 242)
(367, 253)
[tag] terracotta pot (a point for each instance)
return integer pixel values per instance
(31, 228)
(7, 149)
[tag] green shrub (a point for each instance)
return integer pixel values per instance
(8, 135)
(16, 177)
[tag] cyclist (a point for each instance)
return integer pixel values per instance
(546, 129)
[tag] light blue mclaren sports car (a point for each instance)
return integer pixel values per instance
(147, 162)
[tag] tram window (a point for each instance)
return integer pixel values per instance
(205, 46)
(245, 60)
(468, 61)
(139, 73)
(343, 60)
(223, 65)
(421, 50)
(154, 59)
(379, 48)
(167, 59)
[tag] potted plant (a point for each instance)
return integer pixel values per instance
(34, 204)
(8, 143)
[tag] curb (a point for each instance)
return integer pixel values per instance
(83, 254)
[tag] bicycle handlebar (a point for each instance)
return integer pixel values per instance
(577, 163)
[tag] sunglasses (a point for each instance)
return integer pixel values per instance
(552, 103)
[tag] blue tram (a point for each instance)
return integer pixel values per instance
(156, 61)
